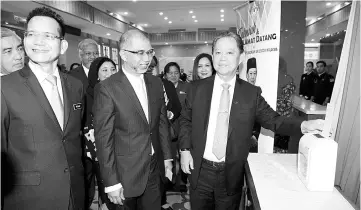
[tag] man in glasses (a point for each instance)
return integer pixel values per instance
(41, 110)
(131, 128)
(12, 52)
(88, 51)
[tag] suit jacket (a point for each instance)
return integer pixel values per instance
(46, 160)
(79, 73)
(248, 107)
(123, 135)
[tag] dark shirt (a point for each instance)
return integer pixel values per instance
(323, 86)
(307, 84)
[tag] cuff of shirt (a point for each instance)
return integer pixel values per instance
(113, 188)
(169, 160)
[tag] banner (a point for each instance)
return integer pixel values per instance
(258, 23)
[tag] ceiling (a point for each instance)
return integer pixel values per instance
(147, 12)
(207, 13)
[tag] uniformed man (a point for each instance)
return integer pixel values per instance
(323, 85)
(307, 81)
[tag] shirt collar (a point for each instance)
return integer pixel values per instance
(40, 74)
(86, 70)
(218, 81)
(132, 76)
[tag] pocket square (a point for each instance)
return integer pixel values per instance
(181, 92)
(77, 106)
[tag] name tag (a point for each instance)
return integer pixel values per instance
(77, 106)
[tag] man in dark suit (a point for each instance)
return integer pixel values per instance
(41, 110)
(131, 128)
(88, 52)
(216, 128)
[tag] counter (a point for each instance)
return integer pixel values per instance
(273, 184)
(308, 107)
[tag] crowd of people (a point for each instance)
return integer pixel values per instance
(63, 131)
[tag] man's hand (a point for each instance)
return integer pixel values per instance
(311, 126)
(186, 162)
(117, 196)
(168, 165)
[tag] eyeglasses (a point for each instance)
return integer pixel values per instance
(44, 35)
(95, 54)
(141, 53)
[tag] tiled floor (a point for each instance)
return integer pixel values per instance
(178, 201)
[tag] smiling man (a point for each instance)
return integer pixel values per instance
(41, 110)
(12, 52)
(131, 128)
(216, 128)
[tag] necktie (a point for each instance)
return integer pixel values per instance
(55, 100)
(221, 134)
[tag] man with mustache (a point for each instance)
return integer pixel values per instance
(12, 52)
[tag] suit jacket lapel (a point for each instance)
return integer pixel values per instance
(34, 86)
(148, 85)
(128, 89)
(66, 94)
(238, 98)
(207, 94)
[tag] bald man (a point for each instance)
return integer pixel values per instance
(131, 128)
(12, 52)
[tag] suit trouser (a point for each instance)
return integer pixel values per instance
(211, 192)
(151, 198)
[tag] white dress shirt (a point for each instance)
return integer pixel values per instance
(212, 122)
(86, 70)
(45, 85)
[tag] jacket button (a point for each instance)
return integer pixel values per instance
(66, 170)
(151, 133)
(63, 140)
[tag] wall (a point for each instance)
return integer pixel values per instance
(291, 66)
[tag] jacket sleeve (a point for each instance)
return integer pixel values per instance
(164, 137)
(270, 119)
(104, 119)
(185, 121)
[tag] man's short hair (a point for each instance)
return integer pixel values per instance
(127, 36)
(84, 43)
(44, 11)
(231, 35)
(310, 62)
(5, 32)
(323, 62)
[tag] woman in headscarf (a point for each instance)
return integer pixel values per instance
(100, 69)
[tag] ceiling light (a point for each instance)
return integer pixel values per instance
(306, 18)
(125, 13)
(161, 13)
(222, 15)
(286, 30)
(166, 43)
(328, 4)
(6, 23)
(347, 3)
(191, 12)
(165, 18)
(195, 21)
(222, 19)
(134, 0)
(193, 16)
(170, 22)
(312, 39)
(108, 34)
(327, 34)
(145, 24)
(319, 18)
(222, 10)
(111, 13)
(205, 42)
